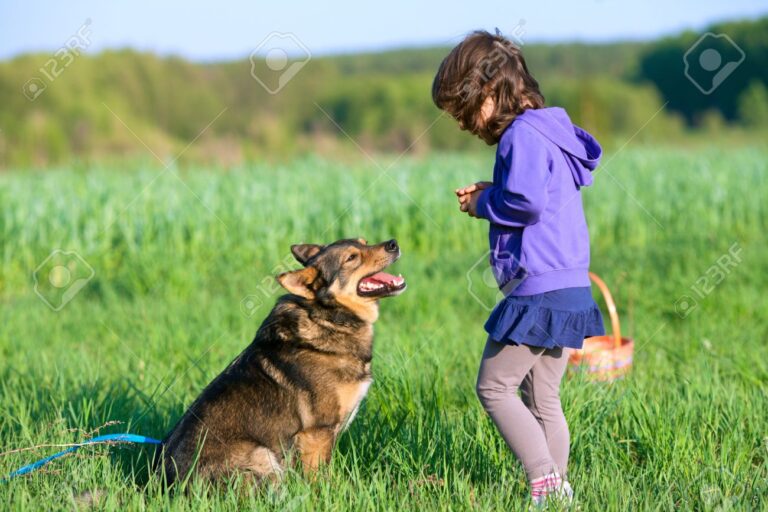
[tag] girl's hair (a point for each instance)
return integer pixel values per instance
(480, 66)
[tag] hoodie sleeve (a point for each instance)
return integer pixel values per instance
(520, 197)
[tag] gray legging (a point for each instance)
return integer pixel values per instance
(534, 427)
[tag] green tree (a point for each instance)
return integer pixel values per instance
(695, 80)
(753, 105)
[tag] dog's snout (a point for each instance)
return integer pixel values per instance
(391, 246)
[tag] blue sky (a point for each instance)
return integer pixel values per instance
(232, 29)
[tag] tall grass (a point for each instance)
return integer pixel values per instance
(174, 254)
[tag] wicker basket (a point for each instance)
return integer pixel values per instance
(606, 357)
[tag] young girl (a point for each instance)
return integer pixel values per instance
(539, 247)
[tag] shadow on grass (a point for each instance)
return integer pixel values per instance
(414, 439)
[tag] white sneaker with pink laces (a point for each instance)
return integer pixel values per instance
(550, 486)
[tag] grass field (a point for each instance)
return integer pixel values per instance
(181, 280)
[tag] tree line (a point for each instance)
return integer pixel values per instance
(114, 102)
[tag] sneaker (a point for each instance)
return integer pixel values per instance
(554, 489)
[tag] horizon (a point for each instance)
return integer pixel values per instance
(114, 30)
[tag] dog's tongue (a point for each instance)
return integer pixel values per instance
(384, 278)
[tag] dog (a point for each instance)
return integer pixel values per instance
(299, 384)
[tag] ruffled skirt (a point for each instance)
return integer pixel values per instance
(560, 318)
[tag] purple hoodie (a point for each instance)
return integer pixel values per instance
(538, 236)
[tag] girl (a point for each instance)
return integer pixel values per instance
(539, 247)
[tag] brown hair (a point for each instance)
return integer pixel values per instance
(480, 66)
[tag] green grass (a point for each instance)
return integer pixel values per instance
(162, 316)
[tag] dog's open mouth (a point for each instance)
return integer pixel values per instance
(380, 284)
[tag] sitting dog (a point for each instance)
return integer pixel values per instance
(298, 385)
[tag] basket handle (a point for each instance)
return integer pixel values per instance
(611, 308)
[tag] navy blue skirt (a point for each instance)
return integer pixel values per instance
(560, 318)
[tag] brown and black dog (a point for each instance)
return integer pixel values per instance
(301, 380)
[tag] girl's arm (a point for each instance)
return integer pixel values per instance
(522, 196)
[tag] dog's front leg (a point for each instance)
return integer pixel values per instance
(314, 446)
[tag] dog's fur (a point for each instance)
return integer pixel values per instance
(301, 380)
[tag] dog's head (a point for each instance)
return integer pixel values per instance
(347, 272)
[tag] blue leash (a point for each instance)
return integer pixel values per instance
(114, 438)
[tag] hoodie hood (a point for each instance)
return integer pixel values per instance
(581, 149)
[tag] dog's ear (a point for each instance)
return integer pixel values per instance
(299, 282)
(304, 252)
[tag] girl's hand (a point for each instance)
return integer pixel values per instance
(480, 185)
(469, 195)
(469, 203)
